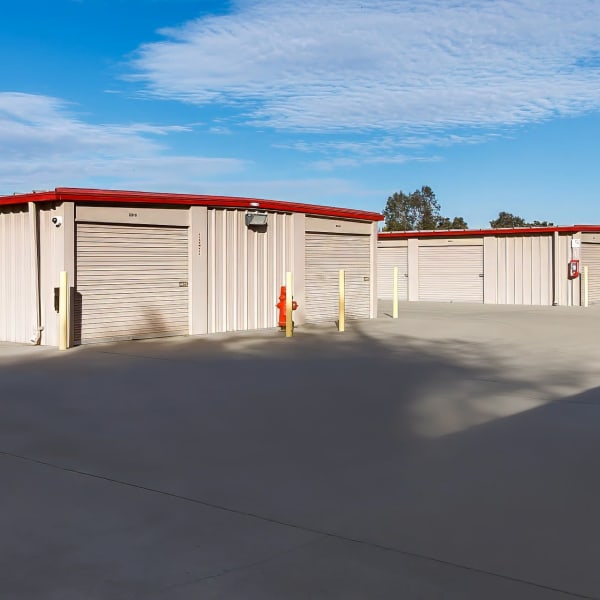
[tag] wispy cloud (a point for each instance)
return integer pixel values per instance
(376, 158)
(369, 65)
(380, 149)
(220, 130)
(43, 144)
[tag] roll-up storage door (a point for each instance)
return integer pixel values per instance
(326, 254)
(131, 282)
(451, 274)
(387, 259)
(590, 257)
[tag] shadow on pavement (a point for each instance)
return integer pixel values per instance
(421, 452)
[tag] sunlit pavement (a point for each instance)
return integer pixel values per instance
(452, 453)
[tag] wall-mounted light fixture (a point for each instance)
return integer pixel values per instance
(256, 219)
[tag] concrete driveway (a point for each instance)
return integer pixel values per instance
(453, 453)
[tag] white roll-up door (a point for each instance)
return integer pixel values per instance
(131, 282)
(590, 257)
(387, 259)
(451, 274)
(326, 254)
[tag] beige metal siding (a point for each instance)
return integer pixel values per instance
(246, 268)
(51, 264)
(590, 257)
(174, 216)
(387, 259)
(567, 289)
(523, 270)
(131, 282)
(451, 274)
(17, 292)
(339, 226)
(326, 254)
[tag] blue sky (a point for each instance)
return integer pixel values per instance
(494, 104)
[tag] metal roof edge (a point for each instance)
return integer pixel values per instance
(391, 235)
(66, 194)
(16, 199)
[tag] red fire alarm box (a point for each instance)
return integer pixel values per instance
(573, 269)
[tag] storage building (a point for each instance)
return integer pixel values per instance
(153, 264)
(492, 266)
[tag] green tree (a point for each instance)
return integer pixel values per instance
(418, 210)
(506, 219)
(456, 223)
(405, 212)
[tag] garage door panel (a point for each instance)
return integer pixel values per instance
(144, 320)
(387, 259)
(131, 282)
(451, 274)
(590, 257)
(133, 259)
(133, 313)
(326, 254)
(160, 294)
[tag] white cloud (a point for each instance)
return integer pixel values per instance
(43, 145)
(220, 130)
(363, 65)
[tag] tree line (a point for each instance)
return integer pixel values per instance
(421, 210)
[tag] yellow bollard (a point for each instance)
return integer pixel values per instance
(289, 323)
(342, 318)
(63, 311)
(586, 290)
(395, 298)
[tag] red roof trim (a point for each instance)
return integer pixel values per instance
(125, 197)
(395, 235)
(24, 198)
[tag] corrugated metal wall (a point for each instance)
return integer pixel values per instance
(51, 264)
(17, 291)
(568, 289)
(529, 269)
(387, 259)
(523, 269)
(246, 268)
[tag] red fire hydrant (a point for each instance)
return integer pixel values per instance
(281, 306)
